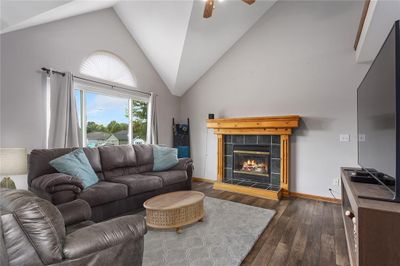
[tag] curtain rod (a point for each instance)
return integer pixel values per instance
(91, 80)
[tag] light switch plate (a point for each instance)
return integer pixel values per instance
(344, 138)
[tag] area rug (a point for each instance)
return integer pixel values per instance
(225, 237)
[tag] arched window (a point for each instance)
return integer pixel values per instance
(107, 66)
(109, 115)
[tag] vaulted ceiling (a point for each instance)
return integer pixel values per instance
(179, 42)
(175, 37)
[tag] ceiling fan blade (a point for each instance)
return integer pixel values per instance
(208, 9)
(249, 1)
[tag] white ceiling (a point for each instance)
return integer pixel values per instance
(379, 21)
(179, 42)
(160, 28)
(17, 14)
(14, 12)
(207, 40)
(175, 37)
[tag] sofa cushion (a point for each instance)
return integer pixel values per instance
(72, 228)
(170, 177)
(144, 154)
(93, 156)
(139, 183)
(104, 192)
(113, 157)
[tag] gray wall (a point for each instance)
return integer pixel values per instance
(297, 59)
(63, 45)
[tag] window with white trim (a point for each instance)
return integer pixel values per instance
(108, 115)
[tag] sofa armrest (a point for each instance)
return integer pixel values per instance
(183, 164)
(57, 182)
(75, 211)
(57, 187)
(104, 235)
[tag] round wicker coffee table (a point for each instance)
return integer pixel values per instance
(175, 209)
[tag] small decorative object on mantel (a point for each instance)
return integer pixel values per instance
(13, 161)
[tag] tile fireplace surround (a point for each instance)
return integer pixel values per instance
(253, 154)
(267, 144)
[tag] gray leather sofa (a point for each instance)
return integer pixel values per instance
(125, 173)
(35, 232)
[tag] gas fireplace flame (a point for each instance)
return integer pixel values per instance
(249, 163)
(254, 166)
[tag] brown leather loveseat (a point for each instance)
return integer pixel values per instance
(35, 232)
(125, 173)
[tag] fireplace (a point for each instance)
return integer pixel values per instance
(253, 154)
(251, 162)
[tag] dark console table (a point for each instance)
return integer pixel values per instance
(372, 227)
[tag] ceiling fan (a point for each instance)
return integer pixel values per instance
(210, 5)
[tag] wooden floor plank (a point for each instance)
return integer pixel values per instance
(280, 208)
(302, 232)
(327, 253)
(299, 241)
(280, 255)
(313, 246)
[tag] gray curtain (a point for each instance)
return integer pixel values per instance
(152, 129)
(63, 130)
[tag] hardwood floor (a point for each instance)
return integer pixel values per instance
(302, 232)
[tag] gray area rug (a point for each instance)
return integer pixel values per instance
(225, 237)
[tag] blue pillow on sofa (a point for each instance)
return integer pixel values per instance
(164, 158)
(76, 164)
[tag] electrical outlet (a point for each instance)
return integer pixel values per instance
(344, 138)
(336, 182)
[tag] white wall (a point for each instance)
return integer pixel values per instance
(297, 59)
(62, 45)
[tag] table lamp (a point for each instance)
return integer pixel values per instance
(13, 161)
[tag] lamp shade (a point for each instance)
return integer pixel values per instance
(13, 161)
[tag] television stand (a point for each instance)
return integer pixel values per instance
(372, 227)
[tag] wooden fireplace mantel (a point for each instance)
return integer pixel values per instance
(272, 125)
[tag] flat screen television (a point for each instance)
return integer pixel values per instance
(378, 115)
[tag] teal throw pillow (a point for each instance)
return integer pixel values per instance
(76, 164)
(164, 158)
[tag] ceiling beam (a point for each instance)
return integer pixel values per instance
(361, 24)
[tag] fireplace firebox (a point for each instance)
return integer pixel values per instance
(251, 162)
